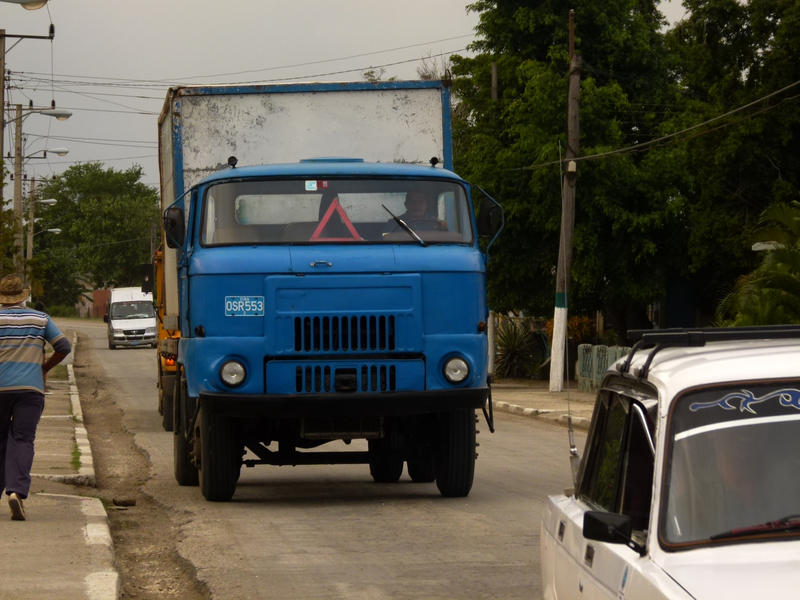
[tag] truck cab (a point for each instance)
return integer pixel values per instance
(329, 299)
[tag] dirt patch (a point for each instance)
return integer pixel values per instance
(144, 536)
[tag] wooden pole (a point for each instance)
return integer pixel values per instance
(2, 110)
(559, 344)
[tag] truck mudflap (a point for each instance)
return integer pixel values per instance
(330, 405)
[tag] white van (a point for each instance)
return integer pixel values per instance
(131, 318)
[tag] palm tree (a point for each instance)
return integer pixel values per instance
(770, 295)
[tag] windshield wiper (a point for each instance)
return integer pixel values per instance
(787, 523)
(404, 225)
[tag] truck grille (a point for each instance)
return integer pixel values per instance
(318, 379)
(354, 333)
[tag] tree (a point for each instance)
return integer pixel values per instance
(107, 219)
(726, 55)
(511, 146)
(660, 217)
(7, 228)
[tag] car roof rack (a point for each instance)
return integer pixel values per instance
(657, 339)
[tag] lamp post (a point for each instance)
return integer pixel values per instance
(51, 112)
(28, 4)
(31, 234)
(31, 5)
(46, 202)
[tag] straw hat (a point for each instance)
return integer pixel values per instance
(11, 290)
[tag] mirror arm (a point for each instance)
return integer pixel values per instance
(502, 220)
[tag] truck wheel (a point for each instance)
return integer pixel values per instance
(384, 466)
(455, 457)
(165, 404)
(421, 470)
(220, 457)
(184, 469)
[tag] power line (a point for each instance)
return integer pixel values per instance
(168, 81)
(645, 145)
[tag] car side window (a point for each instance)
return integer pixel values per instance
(618, 469)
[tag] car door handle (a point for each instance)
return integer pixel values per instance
(588, 556)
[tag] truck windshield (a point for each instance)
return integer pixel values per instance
(134, 309)
(351, 211)
(734, 464)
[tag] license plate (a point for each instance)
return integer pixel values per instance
(244, 306)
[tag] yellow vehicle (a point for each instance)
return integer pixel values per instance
(167, 346)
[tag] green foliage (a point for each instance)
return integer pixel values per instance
(62, 310)
(521, 349)
(7, 228)
(770, 294)
(676, 216)
(107, 218)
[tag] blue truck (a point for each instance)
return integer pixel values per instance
(331, 291)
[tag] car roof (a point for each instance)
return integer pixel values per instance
(673, 369)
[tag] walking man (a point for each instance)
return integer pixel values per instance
(23, 332)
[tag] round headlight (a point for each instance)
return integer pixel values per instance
(456, 370)
(232, 373)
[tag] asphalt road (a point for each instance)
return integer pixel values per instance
(330, 532)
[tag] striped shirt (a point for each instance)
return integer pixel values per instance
(23, 333)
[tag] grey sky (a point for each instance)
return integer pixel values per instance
(112, 60)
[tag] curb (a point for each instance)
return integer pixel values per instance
(86, 474)
(542, 413)
(103, 584)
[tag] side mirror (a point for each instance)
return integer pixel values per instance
(174, 227)
(489, 219)
(105, 318)
(613, 528)
(147, 278)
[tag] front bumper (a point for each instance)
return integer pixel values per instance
(389, 404)
(133, 341)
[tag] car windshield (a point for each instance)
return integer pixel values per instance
(135, 309)
(735, 463)
(351, 211)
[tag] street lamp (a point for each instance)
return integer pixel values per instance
(44, 151)
(28, 4)
(51, 112)
(46, 202)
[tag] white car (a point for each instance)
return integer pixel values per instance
(689, 486)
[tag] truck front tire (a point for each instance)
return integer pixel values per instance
(421, 470)
(220, 457)
(454, 462)
(385, 466)
(184, 469)
(165, 401)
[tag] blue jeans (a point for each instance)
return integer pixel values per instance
(19, 415)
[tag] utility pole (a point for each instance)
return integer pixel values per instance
(19, 261)
(559, 345)
(3, 35)
(31, 201)
(29, 254)
(2, 110)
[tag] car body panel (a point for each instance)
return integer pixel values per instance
(744, 565)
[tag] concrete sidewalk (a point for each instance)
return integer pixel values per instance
(64, 550)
